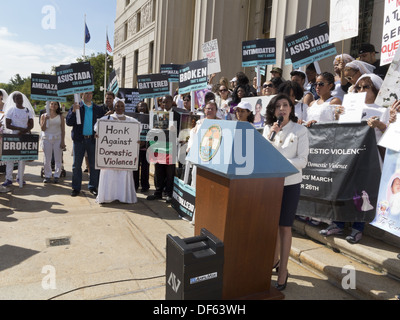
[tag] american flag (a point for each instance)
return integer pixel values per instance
(109, 49)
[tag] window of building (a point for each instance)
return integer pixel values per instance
(365, 25)
(126, 31)
(135, 68)
(267, 16)
(123, 73)
(151, 55)
(127, 2)
(138, 21)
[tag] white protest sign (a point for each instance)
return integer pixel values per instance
(117, 145)
(391, 32)
(343, 20)
(211, 52)
(390, 139)
(390, 90)
(353, 104)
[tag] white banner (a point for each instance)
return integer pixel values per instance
(391, 32)
(211, 52)
(344, 20)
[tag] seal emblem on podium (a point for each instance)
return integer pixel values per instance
(210, 143)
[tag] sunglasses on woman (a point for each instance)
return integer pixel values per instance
(268, 86)
(320, 84)
(359, 88)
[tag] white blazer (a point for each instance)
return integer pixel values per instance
(292, 142)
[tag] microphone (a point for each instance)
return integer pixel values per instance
(273, 134)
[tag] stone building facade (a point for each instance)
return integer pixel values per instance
(149, 33)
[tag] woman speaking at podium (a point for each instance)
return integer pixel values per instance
(291, 140)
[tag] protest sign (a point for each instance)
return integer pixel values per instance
(391, 32)
(260, 52)
(353, 104)
(113, 82)
(172, 70)
(310, 45)
(132, 99)
(74, 78)
(183, 199)
(144, 120)
(390, 89)
(210, 52)
(117, 145)
(341, 180)
(388, 209)
(20, 147)
(44, 88)
(343, 20)
(193, 76)
(153, 85)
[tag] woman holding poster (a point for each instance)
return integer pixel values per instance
(116, 185)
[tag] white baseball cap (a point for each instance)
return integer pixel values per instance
(245, 105)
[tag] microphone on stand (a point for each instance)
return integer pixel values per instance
(273, 134)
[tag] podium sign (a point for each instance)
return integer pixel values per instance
(240, 180)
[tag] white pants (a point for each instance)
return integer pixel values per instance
(51, 146)
(10, 169)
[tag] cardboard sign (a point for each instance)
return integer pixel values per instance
(117, 146)
(183, 199)
(172, 70)
(259, 52)
(113, 82)
(153, 85)
(74, 78)
(390, 90)
(211, 52)
(20, 147)
(44, 88)
(344, 20)
(310, 45)
(193, 76)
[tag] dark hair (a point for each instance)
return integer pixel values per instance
(146, 107)
(299, 74)
(270, 117)
(58, 111)
(288, 86)
(110, 93)
(311, 67)
(235, 98)
(242, 78)
(276, 82)
(329, 77)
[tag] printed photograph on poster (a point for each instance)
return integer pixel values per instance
(390, 89)
(132, 99)
(388, 209)
(259, 105)
(117, 145)
(161, 120)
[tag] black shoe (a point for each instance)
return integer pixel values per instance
(93, 191)
(168, 200)
(144, 189)
(75, 193)
(153, 197)
(282, 287)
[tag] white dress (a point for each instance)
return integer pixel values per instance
(116, 184)
(321, 112)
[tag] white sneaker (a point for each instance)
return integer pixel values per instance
(4, 189)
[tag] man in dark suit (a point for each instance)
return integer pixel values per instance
(84, 141)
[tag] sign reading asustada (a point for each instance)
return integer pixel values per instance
(310, 45)
(74, 78)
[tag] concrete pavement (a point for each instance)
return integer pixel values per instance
(53, 246)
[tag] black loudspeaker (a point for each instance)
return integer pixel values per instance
(194, 268)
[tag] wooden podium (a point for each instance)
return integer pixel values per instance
(240, 180)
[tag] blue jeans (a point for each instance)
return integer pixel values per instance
(80, 147)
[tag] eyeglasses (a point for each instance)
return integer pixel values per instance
(359, 88)
(268, 86)
(320, 84)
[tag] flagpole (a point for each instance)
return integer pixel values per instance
(84, 38)
(105, 68)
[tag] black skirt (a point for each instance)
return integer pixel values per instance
(290, 201)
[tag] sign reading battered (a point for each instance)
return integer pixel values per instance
(117, 145)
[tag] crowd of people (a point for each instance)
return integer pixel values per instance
(307, 98)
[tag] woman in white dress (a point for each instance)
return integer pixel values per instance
(117, 184)
(322, 110)
(52, 124)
